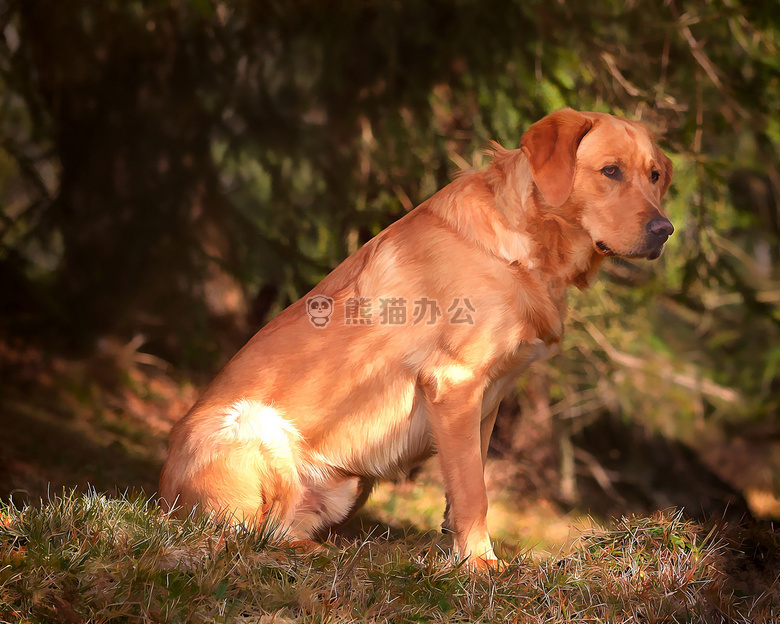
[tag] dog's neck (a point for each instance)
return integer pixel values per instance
(499, 209)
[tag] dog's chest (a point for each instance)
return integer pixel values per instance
(510, 369)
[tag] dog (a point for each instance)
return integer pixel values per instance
(406, 349)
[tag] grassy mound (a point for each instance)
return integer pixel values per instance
(82, 558)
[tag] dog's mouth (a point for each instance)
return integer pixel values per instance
(604, 249)
(607, 251)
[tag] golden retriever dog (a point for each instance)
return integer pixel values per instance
(406, 349)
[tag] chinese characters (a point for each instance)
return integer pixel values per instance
(362, 311)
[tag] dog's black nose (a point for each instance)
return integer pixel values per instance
(662, 228)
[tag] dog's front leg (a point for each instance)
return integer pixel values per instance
(485, 431)
(456, 422)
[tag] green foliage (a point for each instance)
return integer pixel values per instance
(186, 161)
(91, 558)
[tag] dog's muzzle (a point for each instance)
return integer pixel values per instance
(657, 232)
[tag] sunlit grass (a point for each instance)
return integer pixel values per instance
(92, 558)
(534, 526)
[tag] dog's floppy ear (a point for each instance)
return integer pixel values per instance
(667, 172)
(551, 146)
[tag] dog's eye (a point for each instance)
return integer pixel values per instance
(654, 176)
(612, 172)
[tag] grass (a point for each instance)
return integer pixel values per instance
(91, 558)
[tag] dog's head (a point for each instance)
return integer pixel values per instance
(609, 172)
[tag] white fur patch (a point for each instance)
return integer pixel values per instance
(445, 377)
(452, 374)
(248, 421)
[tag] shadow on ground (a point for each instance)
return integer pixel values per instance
(622, 468)
(44, 453)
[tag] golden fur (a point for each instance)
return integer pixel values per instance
(303, 420)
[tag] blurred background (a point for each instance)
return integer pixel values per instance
(173, 173)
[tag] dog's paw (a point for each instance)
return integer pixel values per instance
(482, 565)
(487, 562)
